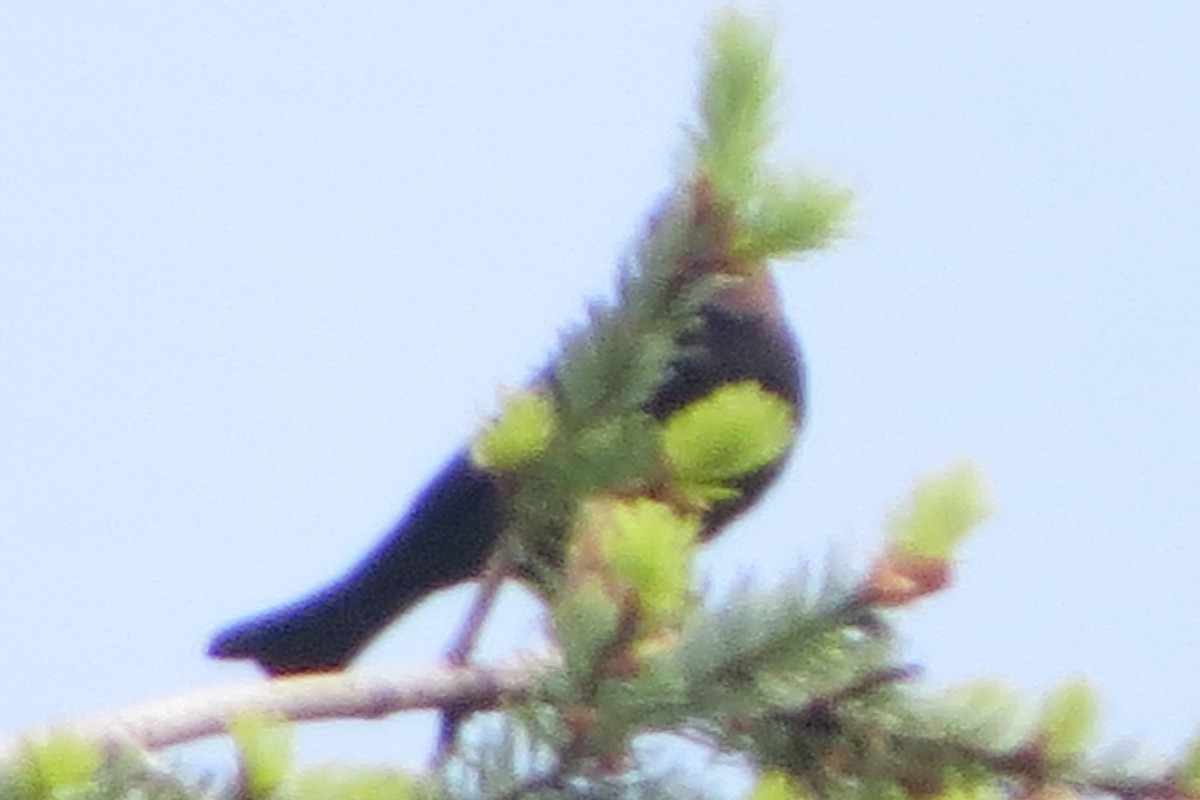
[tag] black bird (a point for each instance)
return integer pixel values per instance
(456, 521)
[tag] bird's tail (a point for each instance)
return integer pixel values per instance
(446, 538)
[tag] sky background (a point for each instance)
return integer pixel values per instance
(263, 266)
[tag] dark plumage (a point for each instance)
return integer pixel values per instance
(456, 521)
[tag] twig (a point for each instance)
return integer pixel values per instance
(460, 652)
(481, 606)
(198, 715)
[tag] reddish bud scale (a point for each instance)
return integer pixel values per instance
(898, 579)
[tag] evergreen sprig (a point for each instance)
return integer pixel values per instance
(727, 215)
(804, 685)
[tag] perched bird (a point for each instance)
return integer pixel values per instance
(456, 521)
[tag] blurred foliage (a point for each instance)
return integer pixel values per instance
(801, 685)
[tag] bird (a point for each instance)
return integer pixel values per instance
(455, 523)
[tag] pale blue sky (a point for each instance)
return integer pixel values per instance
(263, 266)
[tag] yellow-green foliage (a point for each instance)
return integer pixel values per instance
(734, 431)
(58, 767)
(970, 789)
(638, 546)
(740, 85)
(990, 710)
(519, 434)
(359, 783)
(778, 216)
(940, 511)
(788, 216)
(650, 548)
(264, 745)
(776, 785)
(1068, 721)
(1189, 772)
